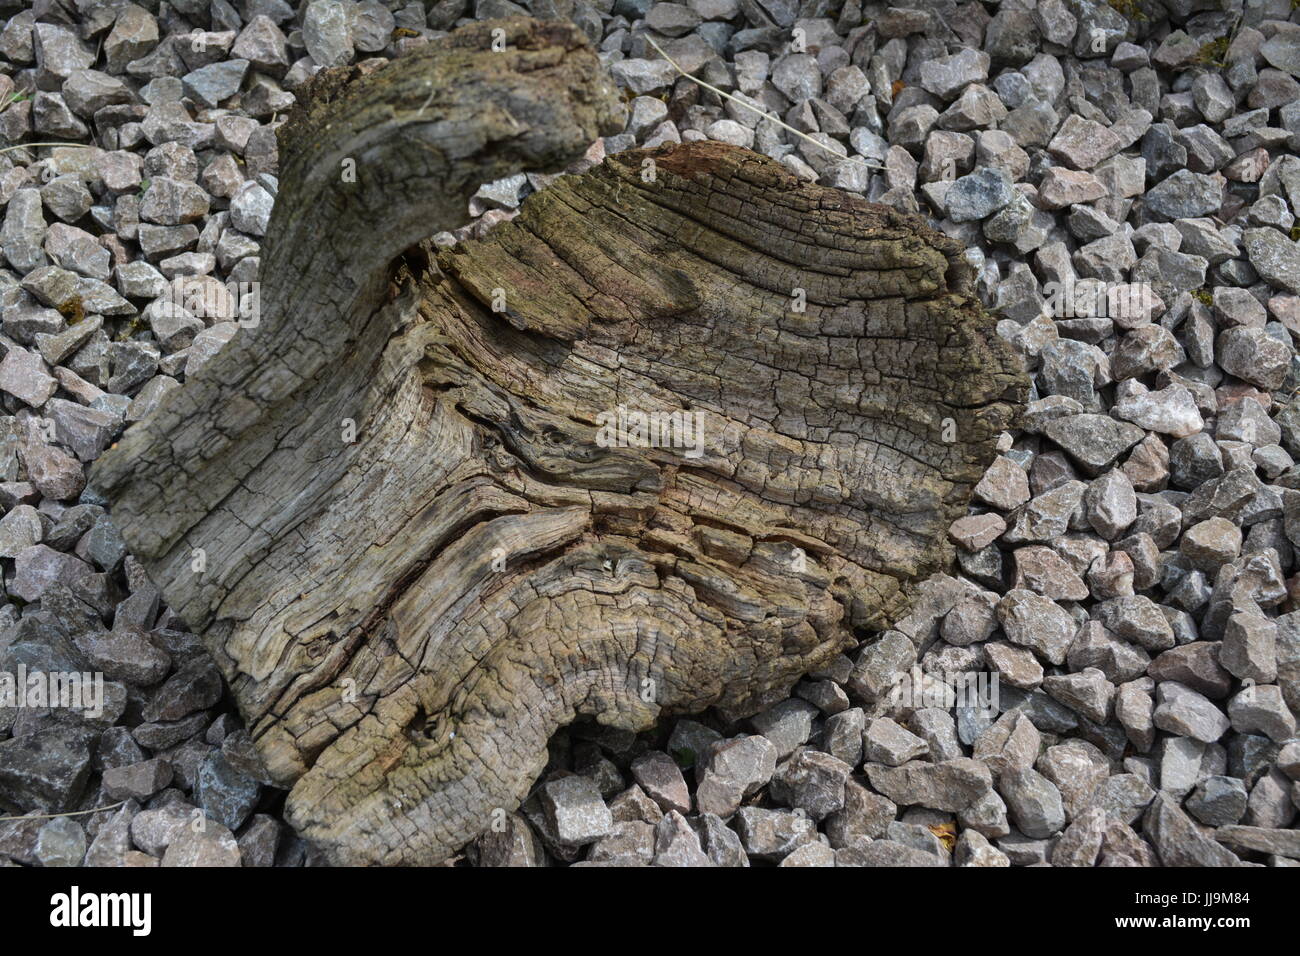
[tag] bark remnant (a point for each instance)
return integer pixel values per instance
(406, 619)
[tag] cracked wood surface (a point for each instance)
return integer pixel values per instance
(406, 619)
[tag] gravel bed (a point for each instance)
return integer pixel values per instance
(1125, 592)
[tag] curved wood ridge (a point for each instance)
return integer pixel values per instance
(407, 618)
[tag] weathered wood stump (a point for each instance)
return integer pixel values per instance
(406, 615)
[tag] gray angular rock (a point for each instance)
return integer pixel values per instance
(772, 835)
(59, 51)
(88, 91)
(1138, 619)
(1080, 844)
(1047, 516)
(885, 853)
(23, 375)
(721, 843)
(672, 19)
(1185, 194)
(134, 34)
(1218, 801)
(798, 77)
(787, 725)
(1177, 839)
(974, 849)
(1213, 98)
(677, 845)
(1275, 257)
(1111, 504)
(212, 845)
(171, 202)
(326, 33)
(1146, 349)
(979, 194)
(1280, 842)
(975, 532)
(207, 344)
(138, 781)
(38, 568)
(1087, 692)
(1210, 544)
(575, 810)
(946, 76)
(734, 770)
(842, 737)
(46, 770)
(1077, 769)
(125, 654)
(1011, 743)
(55, 474)
(195, 686)
(879, 663)
(260, 840)
(75, 249)
(215, 83)
(889, 743)
(1094, 441)
(1033, 801)
(812, 782)
(1262, 709)
(371, 26)
(153, 830)
(951, 786)
(1004, 484)
(262, 44)
(633, 804)
(1182, 711)
(250, 209)
(20, 528)
(1083, 143)
(1254, 355)
(1169, 411)
(1121, 846)
(1247, 422)
(67, 197)
(1016, 666)
(1249, 647)
(661, 779)
(864, 815)
(643, 76)
(61, 842)
(1195, 665)
(23, 234)
(1123, 797)
(1038, 623)
(58, 287)
(810, 854)
(973, 619)
(224, 792)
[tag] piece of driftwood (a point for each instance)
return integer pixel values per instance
(665, 441)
